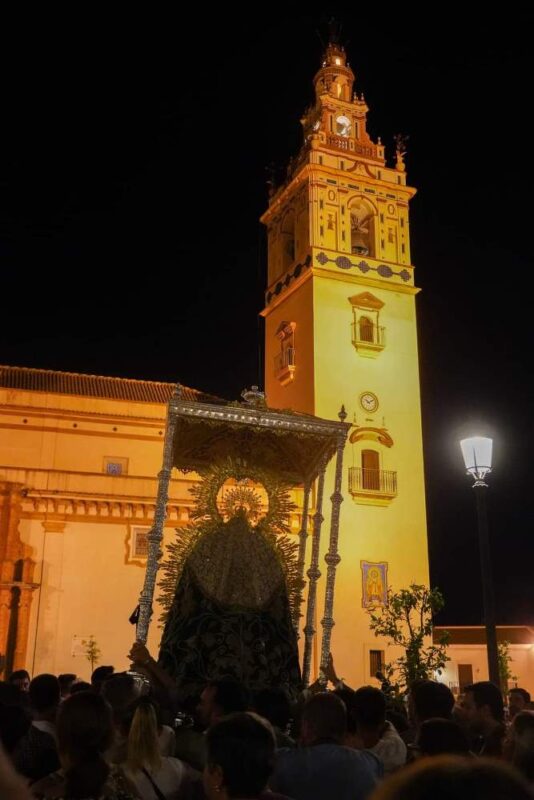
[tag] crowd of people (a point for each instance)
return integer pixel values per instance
(127, 735)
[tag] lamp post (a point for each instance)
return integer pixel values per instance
(477, 457)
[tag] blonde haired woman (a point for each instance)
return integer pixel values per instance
(151, 775)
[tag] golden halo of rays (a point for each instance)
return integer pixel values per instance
(209, 514)
(241, 499)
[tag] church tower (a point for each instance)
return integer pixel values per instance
(341, 329)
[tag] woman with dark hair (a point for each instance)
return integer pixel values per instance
(239, 758)
(84, 733)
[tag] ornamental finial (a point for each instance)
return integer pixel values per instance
(253, 397)
(400, 149)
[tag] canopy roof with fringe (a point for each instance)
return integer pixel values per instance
(289, 443)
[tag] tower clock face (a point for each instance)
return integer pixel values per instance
(369, 401)
(343, 126)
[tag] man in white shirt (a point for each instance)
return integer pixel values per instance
(372, 731)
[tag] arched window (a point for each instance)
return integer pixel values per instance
(362, 228)
(368, 336)
(366, 329)
(285, 360)
(370, 469)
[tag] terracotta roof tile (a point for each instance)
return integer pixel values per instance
(73, 383)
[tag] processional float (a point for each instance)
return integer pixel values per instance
(233, 580)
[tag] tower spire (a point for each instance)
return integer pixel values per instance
(335, 75)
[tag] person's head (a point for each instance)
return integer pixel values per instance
(398, 719)
(120, 691)
(273, 705)
(454, 778)
(65, 682)
(101, 674)
(347, 696)
(324, 716)
(44, 696)
(429, 699)
(240, 751)
(518, 700)
(80, 686)
(438, 736)
(519, 743)
(84, 733)
(139, 724)
(11, 695)
(220, 698)
(369, 708)
(21, 679)
(482, 706)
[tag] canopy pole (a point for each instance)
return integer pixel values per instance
(156, 532)
(314, 574)
(333, 558)
(303, 535)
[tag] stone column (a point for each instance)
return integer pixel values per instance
(16, 569)
(23, 629)
(50, 596)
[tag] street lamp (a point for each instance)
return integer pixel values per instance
(477, 457)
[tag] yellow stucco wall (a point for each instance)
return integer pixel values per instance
(297, 307)
(87, 589)
(76, 519)
(475, 655)
(395, 533)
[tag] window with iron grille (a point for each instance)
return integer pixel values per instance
(140, 542)
(376, 661)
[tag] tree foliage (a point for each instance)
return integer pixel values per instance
(505, 670)
(92, 651)
(407, 622)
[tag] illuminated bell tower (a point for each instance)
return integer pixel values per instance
(341, 328)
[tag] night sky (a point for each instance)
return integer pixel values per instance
(132, 176)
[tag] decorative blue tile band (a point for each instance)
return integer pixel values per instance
(288, 278)
(341, 262)
(344, 262)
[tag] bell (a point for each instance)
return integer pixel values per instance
(359, 245)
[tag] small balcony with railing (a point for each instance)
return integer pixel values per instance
(349, 144)
(368, 338)
(285, 365)
(372, 486)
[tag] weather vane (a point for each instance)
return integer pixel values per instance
(400, 143)
(400, 148)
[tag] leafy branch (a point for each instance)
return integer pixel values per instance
(407, 620)
(92, 651)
